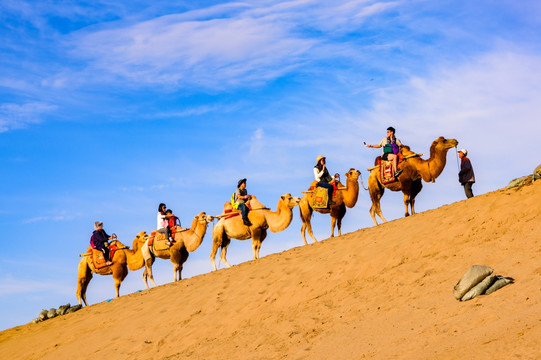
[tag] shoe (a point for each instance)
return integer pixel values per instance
(398, 172)
(108, 263)
(331, 203)
(246, 222)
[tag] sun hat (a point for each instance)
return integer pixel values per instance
(319, 158)
(97, 224)
(240, 182)
(464, 151)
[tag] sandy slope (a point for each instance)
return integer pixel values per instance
(383, 293)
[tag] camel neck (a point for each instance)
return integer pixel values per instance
(279, 219)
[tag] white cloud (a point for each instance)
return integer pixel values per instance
(223, 45)
(16, 116)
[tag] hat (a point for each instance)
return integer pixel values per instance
(240, 182)
(319, 158)
(97, 224)
(464, 151)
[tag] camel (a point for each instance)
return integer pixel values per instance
(123, 259)
(261, 219)
(185, 242)
(346, 197)
(414, 169)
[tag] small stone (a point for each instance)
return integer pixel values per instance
(43, 315)
(62, 309)
(52, 313)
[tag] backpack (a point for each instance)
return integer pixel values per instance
(234, 204)
(388, 149)
(92, 242)
(173, 221)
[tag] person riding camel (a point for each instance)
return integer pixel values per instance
(240, 199)
(172, 223)
(323, 178)
(163, 223)
(391, 146)
(99, 241)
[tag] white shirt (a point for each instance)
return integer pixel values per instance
(161, 222)
(318, 174)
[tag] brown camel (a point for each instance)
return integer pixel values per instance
(346, 197)
(414, 169)
(185, 242)
(123, 259)
(261, 219)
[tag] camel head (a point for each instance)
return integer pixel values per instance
(290, 201)
(204, 218)
(141, 237)
(442, 143)
(353, 174)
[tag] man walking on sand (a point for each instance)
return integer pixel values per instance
(466, 176)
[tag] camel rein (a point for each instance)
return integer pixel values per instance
(232, 213)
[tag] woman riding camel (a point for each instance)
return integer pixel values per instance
(391, 146)
(323, 178)
(100, 239)
(163, 223)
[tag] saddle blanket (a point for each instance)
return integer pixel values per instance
(386, 172)
(320, 198)
(158, 240)
(99, 260)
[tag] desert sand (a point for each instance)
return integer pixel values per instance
(384, 292)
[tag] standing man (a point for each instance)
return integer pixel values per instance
(466, 176)
(241, 197)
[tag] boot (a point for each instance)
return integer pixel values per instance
(246, 222)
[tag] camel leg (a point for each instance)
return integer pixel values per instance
(406, 204)
(147, 273)
(223, 252)
(376, 192)
(84, 277)
(256, 242)
(415, 190)
(306, 215)
(215, 246)
(148, 260)
(118, 276)
(333, 224)
(183, 257)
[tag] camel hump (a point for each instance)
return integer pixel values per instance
(228, 206)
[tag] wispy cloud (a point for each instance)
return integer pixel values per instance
(221, 46)
(16, 116)
(60, 216)
(12, 287)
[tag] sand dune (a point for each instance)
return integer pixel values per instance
(378, 293)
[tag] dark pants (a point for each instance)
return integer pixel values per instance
(105, 250)
(467, 189)
(244, 211)
(165, 231)
(328, 186)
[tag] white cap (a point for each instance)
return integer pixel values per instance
(464, 151)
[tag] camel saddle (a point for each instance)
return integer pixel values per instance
(320, 196)
(158, 241)
(386, 169)
(98, 260)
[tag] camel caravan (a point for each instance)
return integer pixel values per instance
(245, 217)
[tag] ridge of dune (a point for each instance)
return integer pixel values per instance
(378, 293)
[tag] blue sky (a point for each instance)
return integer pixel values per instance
(109, 108)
